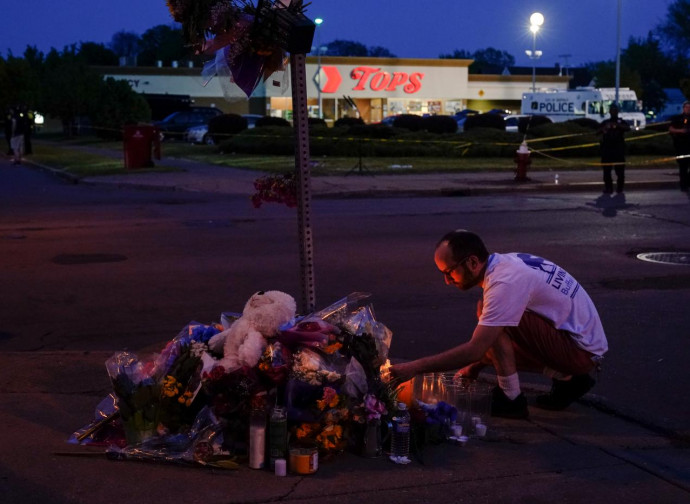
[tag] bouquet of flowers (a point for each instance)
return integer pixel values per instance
(247, 41)
(275, 189)
(312, 368)
(138, 395)
(328, 431)
(229, 396)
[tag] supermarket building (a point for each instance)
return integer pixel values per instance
(377, 87)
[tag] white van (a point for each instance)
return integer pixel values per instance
(593, 103)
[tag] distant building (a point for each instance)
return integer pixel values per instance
(379, 87)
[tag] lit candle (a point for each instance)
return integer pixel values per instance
(405, 392)
(480, 429)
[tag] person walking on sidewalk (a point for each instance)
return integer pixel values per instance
(8, 130)
(680, 131)
(19, 125)
(613, 150)
(534, 317)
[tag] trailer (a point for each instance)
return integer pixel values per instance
(593, 103)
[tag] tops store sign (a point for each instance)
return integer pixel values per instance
(370, 78)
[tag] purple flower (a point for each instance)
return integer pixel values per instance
(373, 407)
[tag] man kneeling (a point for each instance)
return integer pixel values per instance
(534, 316)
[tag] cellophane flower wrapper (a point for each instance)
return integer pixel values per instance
(311, 371)
(355, 314)
(310, 331)
(138, 394)
(240, 53)
(229, 397)
(180, 366)
(201, 444)
(315, 368)
(105, 429)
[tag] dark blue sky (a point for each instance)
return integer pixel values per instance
(584, 29)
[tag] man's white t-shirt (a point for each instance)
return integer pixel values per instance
(517, 282)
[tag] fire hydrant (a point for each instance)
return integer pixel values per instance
(522, 160)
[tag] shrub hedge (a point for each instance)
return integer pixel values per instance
(440, 124)
(226, 125)
(485, 121)
(348, 121)
(409, 122)
(270, 121)
(525, 123)
(379, 140)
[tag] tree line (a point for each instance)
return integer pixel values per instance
(63, 84)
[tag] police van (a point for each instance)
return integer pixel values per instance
(563, 105)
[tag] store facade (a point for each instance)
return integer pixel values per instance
(370, 88)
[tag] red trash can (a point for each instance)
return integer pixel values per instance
(141, 143)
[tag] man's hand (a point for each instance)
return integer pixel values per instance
(470, 372)
(403, 372)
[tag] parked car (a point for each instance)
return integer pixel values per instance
(512, 122)
(251, 119)
(177, 123)
(461, 117)
(199, 134)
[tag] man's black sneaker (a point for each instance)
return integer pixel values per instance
(503, 407)
(563, 393)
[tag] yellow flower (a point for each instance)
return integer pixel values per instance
(170, 386)
(186, 398)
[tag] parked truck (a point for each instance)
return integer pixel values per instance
(563, 105)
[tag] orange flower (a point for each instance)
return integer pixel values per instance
(186, 398)
(170, 386)
(330, 399)
(332, 348)
(306, 430)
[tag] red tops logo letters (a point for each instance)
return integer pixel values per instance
(376, 80)
(379, 80)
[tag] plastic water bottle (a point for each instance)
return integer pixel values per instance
(400, 439)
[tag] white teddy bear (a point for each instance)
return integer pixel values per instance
(244, 341)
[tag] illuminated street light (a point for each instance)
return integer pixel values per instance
(535, 20)
(318, 22)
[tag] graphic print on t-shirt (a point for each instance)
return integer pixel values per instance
(557, 277)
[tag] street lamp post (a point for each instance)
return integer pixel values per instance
(535, 20)
(318, 22)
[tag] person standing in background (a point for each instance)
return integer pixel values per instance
(9, 115)
(19, 124)
(613, 150)
(680, 132)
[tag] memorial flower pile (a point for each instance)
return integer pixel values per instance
(182, 406)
